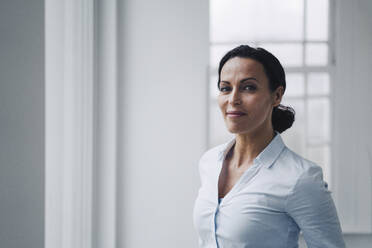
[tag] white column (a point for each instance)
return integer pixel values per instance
(69, 123)
(104, 215)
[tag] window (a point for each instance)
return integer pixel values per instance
(297, 32)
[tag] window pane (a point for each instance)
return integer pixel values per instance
(318, 120)
(288, 54)
(316, 54)
(255, 20)
(294, 137)
(321, 156)
(294, 84)
(218, 51)
(318, 83)
(317, 20)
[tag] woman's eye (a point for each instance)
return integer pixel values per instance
(250, 87)
(224, 89)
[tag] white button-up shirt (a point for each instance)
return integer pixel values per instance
(278, 196)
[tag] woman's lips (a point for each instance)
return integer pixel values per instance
(235, 115)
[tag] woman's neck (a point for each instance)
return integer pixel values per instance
(249, 145)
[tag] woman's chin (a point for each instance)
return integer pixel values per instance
(236, 129)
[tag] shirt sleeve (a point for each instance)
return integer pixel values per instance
(311, 206)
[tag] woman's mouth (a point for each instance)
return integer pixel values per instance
(234, 114)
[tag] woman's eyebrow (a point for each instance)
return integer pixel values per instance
(241, 81)
(249, 78)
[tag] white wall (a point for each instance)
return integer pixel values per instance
(21, 123)
(352, 118)
(162, 98)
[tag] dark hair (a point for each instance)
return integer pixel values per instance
(282, 116)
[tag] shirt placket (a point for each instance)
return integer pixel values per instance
(246, 177)
(216, 209)
(214, 226)
(217, 206)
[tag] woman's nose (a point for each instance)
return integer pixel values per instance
(234, 97)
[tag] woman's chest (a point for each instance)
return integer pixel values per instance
(252, 211)
(253, 217)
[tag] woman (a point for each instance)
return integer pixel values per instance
(255, 191)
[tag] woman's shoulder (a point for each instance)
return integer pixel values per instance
(308, 185)
(297, 166)
(296, 174)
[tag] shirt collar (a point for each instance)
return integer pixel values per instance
(266, 157)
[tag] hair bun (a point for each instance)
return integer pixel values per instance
(282, 117)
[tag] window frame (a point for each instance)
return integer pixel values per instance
(304, 69)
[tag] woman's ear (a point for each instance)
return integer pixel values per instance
(277, 95)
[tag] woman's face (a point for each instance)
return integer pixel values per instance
(244, 87)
